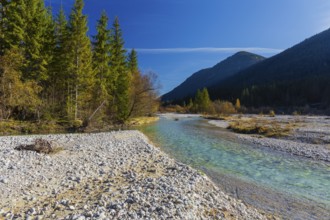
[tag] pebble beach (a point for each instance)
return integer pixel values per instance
(116, 175)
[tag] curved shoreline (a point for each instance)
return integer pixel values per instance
(298, 143)
(107, 175)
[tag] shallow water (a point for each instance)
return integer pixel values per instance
(278, 183)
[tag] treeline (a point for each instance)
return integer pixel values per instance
(311, 91)
(202, 104)
(50, 68)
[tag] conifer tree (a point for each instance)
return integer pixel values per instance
(81, 77)
(202, 102)
(101, 59)
(58, 76)
(3, 24)
(121, 76)
(38, 40)
(13, 24)
(132, 62)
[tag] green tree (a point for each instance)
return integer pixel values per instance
(203, 102)
(120, 74)
(13, 24)
(132, 62)
(58, 72)
(190, 105)
(101, 59)
(80, 79)
(37, 41)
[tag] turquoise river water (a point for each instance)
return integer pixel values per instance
(288, 186)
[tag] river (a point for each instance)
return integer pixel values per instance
(287, 186)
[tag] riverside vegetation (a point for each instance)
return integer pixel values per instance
(54, 77)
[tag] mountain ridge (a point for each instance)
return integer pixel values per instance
(210, 76)
(298, 76)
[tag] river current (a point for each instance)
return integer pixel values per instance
(278, 183)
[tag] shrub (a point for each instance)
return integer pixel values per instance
(224, 107)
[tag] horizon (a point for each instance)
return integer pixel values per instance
(164, 32)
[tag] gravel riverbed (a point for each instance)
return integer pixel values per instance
(309, 138)
(117, 175)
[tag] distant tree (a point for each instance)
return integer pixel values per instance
(132, 62)
(203, 103)
(190, 105)
(224, 107)
(238, 104)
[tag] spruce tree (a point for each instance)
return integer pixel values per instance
(202, 102)
(13, 24)
(3, 24)
(58, 77)
(132, 62)
(121, 76)
(101, 59)
(81, 77)
(38, 40)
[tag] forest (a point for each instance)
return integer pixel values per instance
(51, 70)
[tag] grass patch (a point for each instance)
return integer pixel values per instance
(142, 121)
(261, 127)
(12, 127)
(215, 117)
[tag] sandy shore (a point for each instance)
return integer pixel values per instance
(310, 136)
(117, 175)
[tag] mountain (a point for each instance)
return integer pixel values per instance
(211, 76)
(298, 76)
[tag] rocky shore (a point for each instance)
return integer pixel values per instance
(309, 138)
(117, 175)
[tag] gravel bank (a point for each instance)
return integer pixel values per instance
(309, 138)
(116, 175)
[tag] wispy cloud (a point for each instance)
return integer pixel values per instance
(208, 50)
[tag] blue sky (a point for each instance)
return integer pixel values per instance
(176, 38)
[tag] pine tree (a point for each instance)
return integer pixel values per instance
(132, 62)
(38, 40)
(121, 75)
(101, 59)
(13, 24)
(81, 77)
(203, 102)
(3, 24)
(58, 76)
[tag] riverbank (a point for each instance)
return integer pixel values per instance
(117, 175)
(14, 127)
(308, 136)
